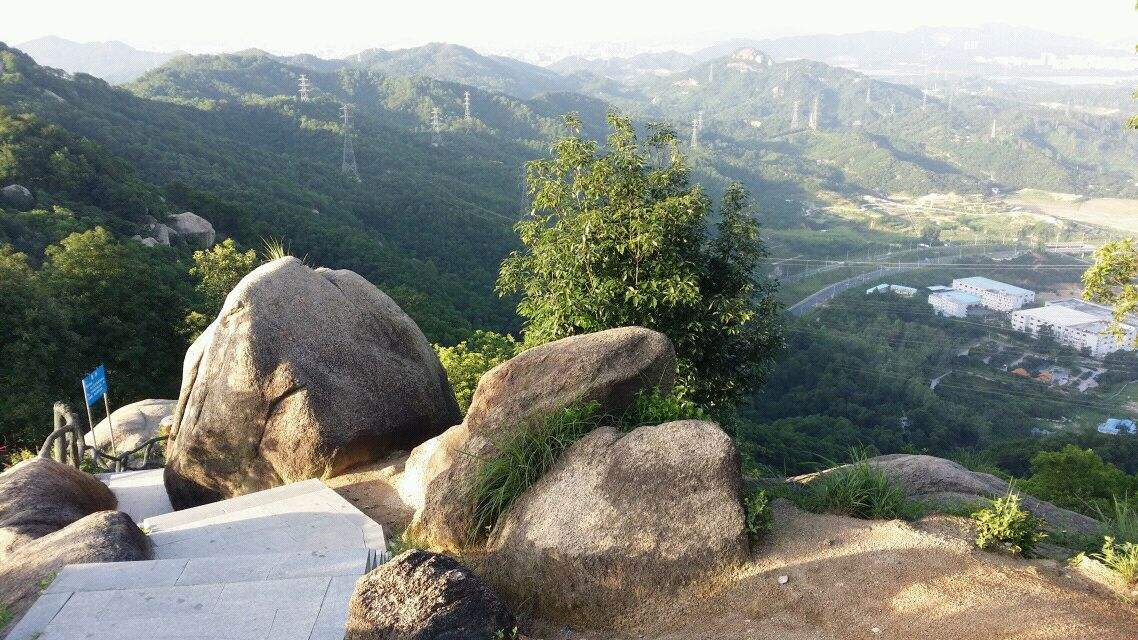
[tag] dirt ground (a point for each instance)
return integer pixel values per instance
(850, 579)
(846, 579)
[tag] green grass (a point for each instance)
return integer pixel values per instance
(403, 541)
(859, 490)
(1121, 558)
(1121, 522)
(757, 509)
(523, 456)
(6, 616)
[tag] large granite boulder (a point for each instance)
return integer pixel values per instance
(304, 373)
(609, 367)
(134, 424)
(621, 518)
(193, 228)
(425, 596)
(105, 536)
(937, 481)
(41, 496)
(17, 195)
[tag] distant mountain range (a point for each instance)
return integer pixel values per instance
(115, 62)
(988, 50)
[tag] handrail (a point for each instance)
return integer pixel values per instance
(69, 446)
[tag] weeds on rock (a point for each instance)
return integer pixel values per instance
(522, 457)
(1006, 526)
(404, 541)
(655, 407)
(1121, 522)
(859, 490)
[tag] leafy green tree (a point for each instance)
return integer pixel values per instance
(468, 360)
(217, 270)
(1076, 478)
(1111, 279)
(126, 302)
(35, 345)
(621, 238)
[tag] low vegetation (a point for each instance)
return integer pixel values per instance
(1122, 558)
(1007, 526)
(859, 490)
(757, 509)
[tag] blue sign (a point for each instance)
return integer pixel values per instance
(95, 385)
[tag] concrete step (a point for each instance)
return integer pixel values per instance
(303, 516)
(273, 597)
(141, 494)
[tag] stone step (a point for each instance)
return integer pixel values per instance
(299, 517)
(271, 596)
(141, 494)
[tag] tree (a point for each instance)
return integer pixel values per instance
(1111, 279)
(621, 238)
(468, 360)
(1076, 478)
(217, 270)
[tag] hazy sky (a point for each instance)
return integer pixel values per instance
(337, 27)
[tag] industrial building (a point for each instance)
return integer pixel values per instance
(953, 304)
(1077, 323)
(993, 294)
(901, 290)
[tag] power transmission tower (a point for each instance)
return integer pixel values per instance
(868, 95)
(348, 166)
(892, 108)
(813, 122)
(466, 107)
(924, 99)
(794, 116)
(696, 124)
(992, 134)
(303, 87)
(711, 74)
(436, 128)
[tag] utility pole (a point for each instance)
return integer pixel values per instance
(303, 87)
(348, 166)
(466, 107)
(436, 128)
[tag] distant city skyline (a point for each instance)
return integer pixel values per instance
(512, 27)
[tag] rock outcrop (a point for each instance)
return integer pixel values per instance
(42, 496)
(609, 367)
(193, 228)
(425, 596)
(621, 517)
(105, 536)
(17, 195)
(944, 482)
(134, 424)
(303, 374)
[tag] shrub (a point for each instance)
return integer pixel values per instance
(18, 456)
(656, 407)
(1122, 558)
(1008, 527)
(403, 541)
(859, 490)
(522, 457)
(757, 509)
(468, 360)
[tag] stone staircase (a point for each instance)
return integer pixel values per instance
(273, 565)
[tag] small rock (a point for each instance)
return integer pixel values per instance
(783, 579)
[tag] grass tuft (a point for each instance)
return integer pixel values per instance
(1122, 558)
(859, 490)
(1121, 522)
(522, 457)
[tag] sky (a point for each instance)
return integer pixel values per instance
(510, 27)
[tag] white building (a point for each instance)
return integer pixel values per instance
(993, 294)
(1078, 324)
(953, 304)
(903, 291)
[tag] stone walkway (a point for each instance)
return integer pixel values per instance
(273, 565)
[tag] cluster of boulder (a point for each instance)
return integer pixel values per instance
(307, 372)
(187, 227)
(53, 515)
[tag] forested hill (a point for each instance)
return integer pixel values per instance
(885, 137)
(224, 136)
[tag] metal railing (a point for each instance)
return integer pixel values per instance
(66, 444)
